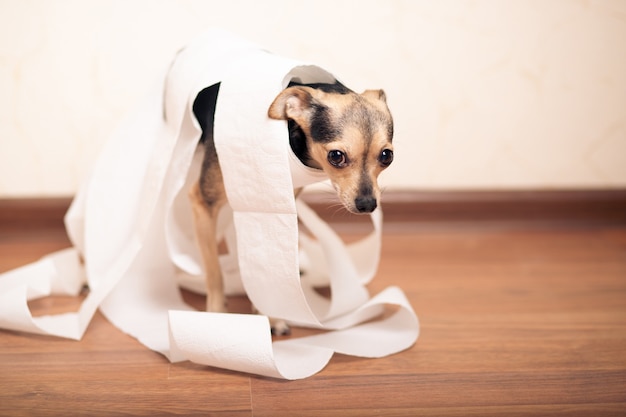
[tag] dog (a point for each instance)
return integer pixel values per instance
(331, 128)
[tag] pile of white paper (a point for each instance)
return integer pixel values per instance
(131, 223)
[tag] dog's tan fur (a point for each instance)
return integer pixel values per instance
(359, 126)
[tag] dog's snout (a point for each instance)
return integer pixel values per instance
(365, 204)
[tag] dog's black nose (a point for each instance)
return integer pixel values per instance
(365, 204)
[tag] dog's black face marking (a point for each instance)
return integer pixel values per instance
(321, 127)
(336, 87)
(322, 130)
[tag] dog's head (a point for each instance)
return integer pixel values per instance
(348, 135)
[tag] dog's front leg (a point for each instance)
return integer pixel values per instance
(205, 222)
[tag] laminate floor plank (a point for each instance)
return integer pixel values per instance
(516, 320)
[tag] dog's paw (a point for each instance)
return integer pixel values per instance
(280, 327)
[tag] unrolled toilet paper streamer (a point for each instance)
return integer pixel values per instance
(133, 240)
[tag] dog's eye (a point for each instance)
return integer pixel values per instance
(386, 157)
(337, 159)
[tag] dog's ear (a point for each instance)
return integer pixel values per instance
(375, 94)
(293, 103)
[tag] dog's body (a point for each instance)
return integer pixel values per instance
(331, 128)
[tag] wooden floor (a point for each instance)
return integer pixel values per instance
(517, 319)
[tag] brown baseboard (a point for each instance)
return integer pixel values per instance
(579, 206)
(33, 213)
(592, 207)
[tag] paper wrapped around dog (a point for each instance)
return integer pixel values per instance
(131, 223)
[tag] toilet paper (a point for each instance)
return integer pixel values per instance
(133, 239)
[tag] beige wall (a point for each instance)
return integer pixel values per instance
(486, 94)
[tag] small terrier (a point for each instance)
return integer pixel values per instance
(331, 128)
